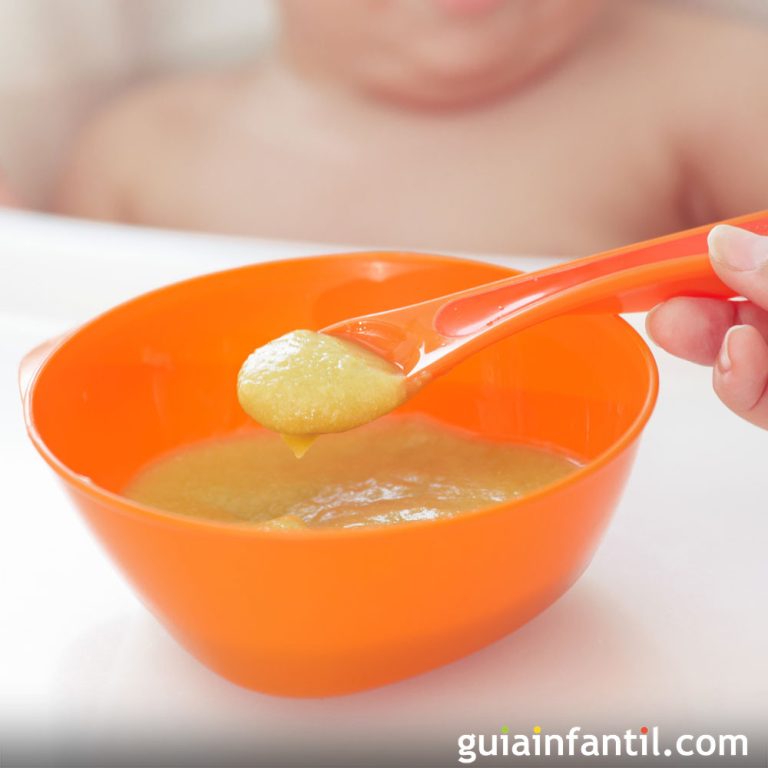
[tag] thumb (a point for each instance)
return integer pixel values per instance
(740, 259)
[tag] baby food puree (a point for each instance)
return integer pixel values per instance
(304, 384)
(394, 470)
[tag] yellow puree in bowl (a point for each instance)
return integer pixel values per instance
(395, 470)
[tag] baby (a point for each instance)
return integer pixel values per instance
(499, 126)
(557, 127)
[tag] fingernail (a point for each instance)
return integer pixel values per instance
(737, 248)
(648, 323)
(724, 358)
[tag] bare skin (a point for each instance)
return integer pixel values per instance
(636, 120)
(730, 337)
(7, 199)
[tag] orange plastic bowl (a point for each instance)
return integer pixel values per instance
(314, 613)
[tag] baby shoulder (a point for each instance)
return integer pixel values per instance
(136, 134)
(723, 49)
(718, 96)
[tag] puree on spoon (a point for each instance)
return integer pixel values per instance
(305, 384)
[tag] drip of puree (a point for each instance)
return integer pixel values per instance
(395, 470)
(305, 384)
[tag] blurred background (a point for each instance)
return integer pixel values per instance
(60, 60)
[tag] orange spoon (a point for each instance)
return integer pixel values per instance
(428, 338)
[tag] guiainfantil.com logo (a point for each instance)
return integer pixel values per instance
(642, 743)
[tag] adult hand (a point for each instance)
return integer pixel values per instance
(730, 336)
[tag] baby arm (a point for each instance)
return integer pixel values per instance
(726, 136)
(131, 158)
(118, 158)
(90, 183)
(7, 199)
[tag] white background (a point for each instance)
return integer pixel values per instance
(668, 626)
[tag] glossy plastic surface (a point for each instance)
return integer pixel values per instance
(311, 613)
(429, 338)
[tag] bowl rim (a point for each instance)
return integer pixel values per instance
(119, 503)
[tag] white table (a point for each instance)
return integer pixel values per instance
(668, 626)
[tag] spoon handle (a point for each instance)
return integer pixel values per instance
(629, 279)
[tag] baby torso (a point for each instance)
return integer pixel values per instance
(579, 160)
